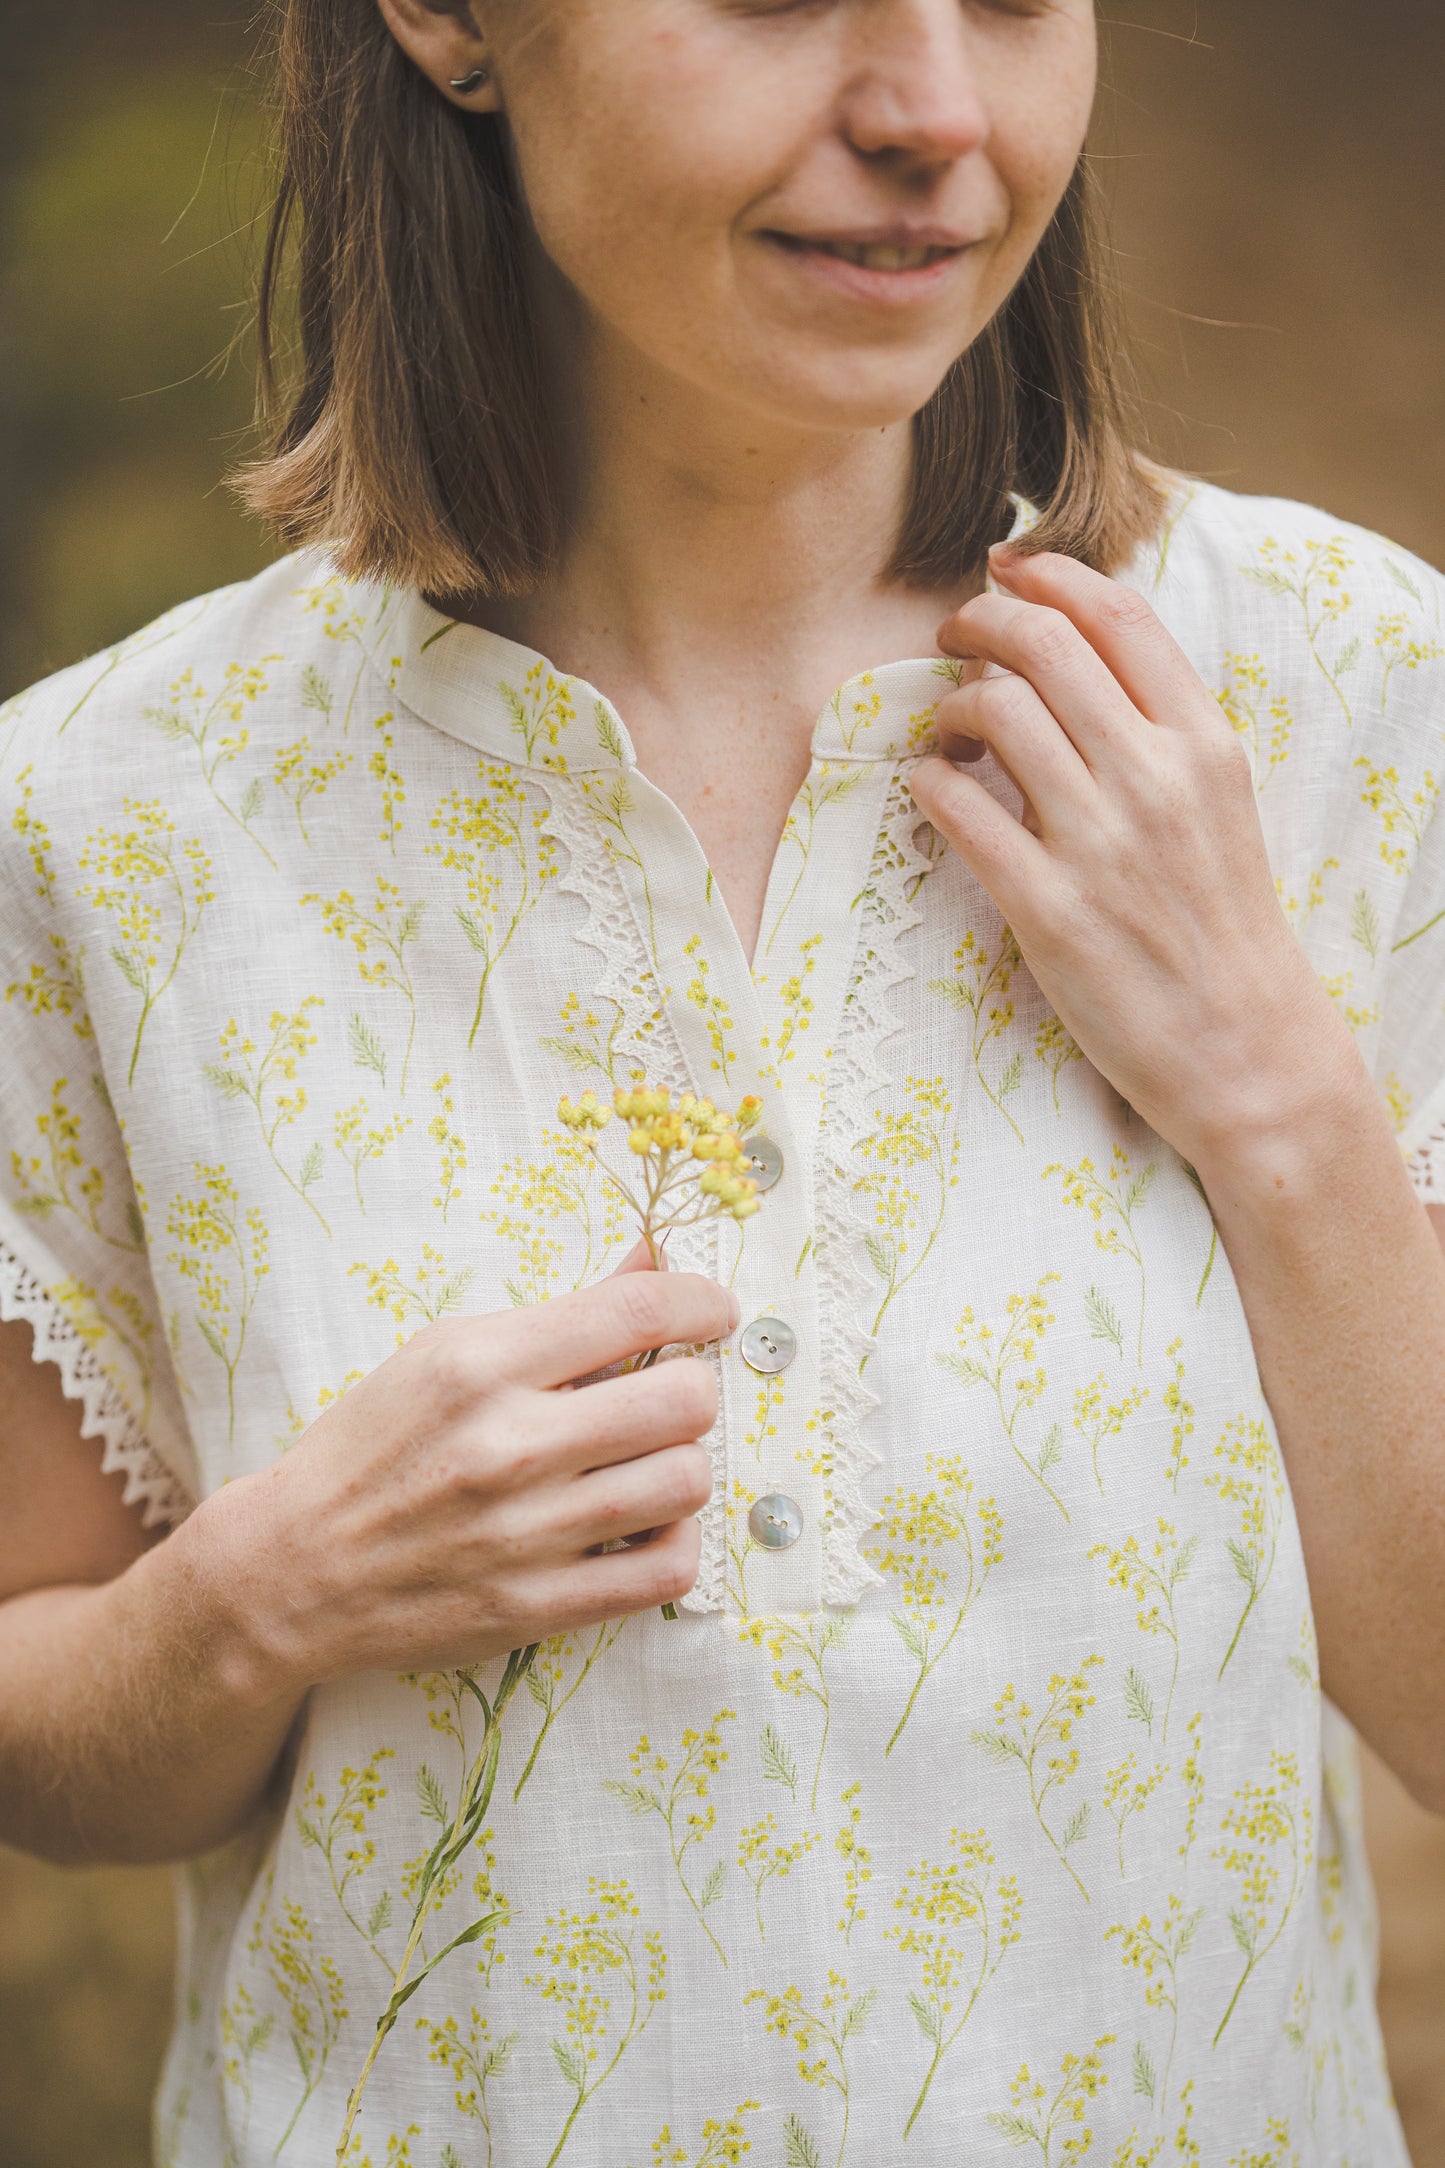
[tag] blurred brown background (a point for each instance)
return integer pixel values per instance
(1279, 175)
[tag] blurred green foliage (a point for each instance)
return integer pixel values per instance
(125, 368)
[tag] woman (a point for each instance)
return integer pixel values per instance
(669, 371)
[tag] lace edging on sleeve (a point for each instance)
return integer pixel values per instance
(148, 1480)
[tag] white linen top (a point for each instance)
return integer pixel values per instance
(999, 1811)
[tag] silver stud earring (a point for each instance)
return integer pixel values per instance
(464, 85)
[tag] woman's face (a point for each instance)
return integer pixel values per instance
(806, 209)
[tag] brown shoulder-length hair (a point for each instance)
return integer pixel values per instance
(415, 442)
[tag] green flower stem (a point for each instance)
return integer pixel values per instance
(453, 1841)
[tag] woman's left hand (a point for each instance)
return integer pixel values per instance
(1136, 883)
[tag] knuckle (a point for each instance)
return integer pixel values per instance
(643, 1301)
(456, 1355)
(1124, 609)
(1046, 640)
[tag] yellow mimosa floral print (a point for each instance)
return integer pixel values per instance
(993, 1814)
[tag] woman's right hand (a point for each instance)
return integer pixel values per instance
(450, 1507)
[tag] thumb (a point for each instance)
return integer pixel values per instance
(638, 1259)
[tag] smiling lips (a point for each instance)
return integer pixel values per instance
(895, 253)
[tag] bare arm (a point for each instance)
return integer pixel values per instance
(448, 1509)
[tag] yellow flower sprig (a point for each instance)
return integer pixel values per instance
(691, 1156)
(691, 1159)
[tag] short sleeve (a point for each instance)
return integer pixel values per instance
(1410, 1065)
(73, 1253)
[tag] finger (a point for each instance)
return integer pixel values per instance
(1007, 715)
(615, 1584)
(1128, 637)
(638, 1259)
(997, 849)
(636, 1496)
(550, 1343)
(1046, 648)
(622, 1418)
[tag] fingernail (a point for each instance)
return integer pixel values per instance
(735, 1311)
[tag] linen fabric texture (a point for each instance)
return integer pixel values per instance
(999, 1812)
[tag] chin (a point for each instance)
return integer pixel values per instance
(846, 397)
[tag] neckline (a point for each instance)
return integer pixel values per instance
(512, 705)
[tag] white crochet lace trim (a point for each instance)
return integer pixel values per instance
(846, 1288)
(645, 1038)
(127, 1451)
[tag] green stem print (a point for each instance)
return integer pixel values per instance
(1111, 1204)
(191, 715)
(939, 1549)
(826, 785)
(1253, 1480)
(1043, 1746)
(857, 1862)
(451, 1148)
(585, 1045)
(1056, 1048)
(741, 1545)
(434, 1293)
(1056, 2120)
(298, 777)
(314, 1995)
(223, 1253)
(155, 899)
(1404, 819)
(1156, 1954)
(1398, 651)
(1152, 1583)
(331, 600)
(1315, 582)
(1005, 1360)
(165, 628)
(761, 1857)
(60, 1179)
(381, 938)
(722, 2143)
(917, 1145)
(1096, 1419)
(800, 1646)
(713, 1009)
(497, 842)
(1181, 1412)
(110, 1324)
(1191, 1776)
(58, 987)
(1265, 723)
(821, 2037)
(437, 1872)
(548, 1685)
(358, 1141)
(1269, 1845)
(537, 1199)
(865, 705)
(980, 990)
(1126, 1794)
(679, 1797)
(581, 1951)
(1193, 1175)
(610, 801)
(962, 1922)
(243, 2036)
(796, 1004)
(257, 1074)
(336, 1827)
(475, 2060)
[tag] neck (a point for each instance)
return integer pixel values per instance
(709, 545)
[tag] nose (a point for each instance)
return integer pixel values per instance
(914, 91)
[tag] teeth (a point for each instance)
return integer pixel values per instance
(879, 256)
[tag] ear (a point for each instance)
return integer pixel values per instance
(444, 40)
